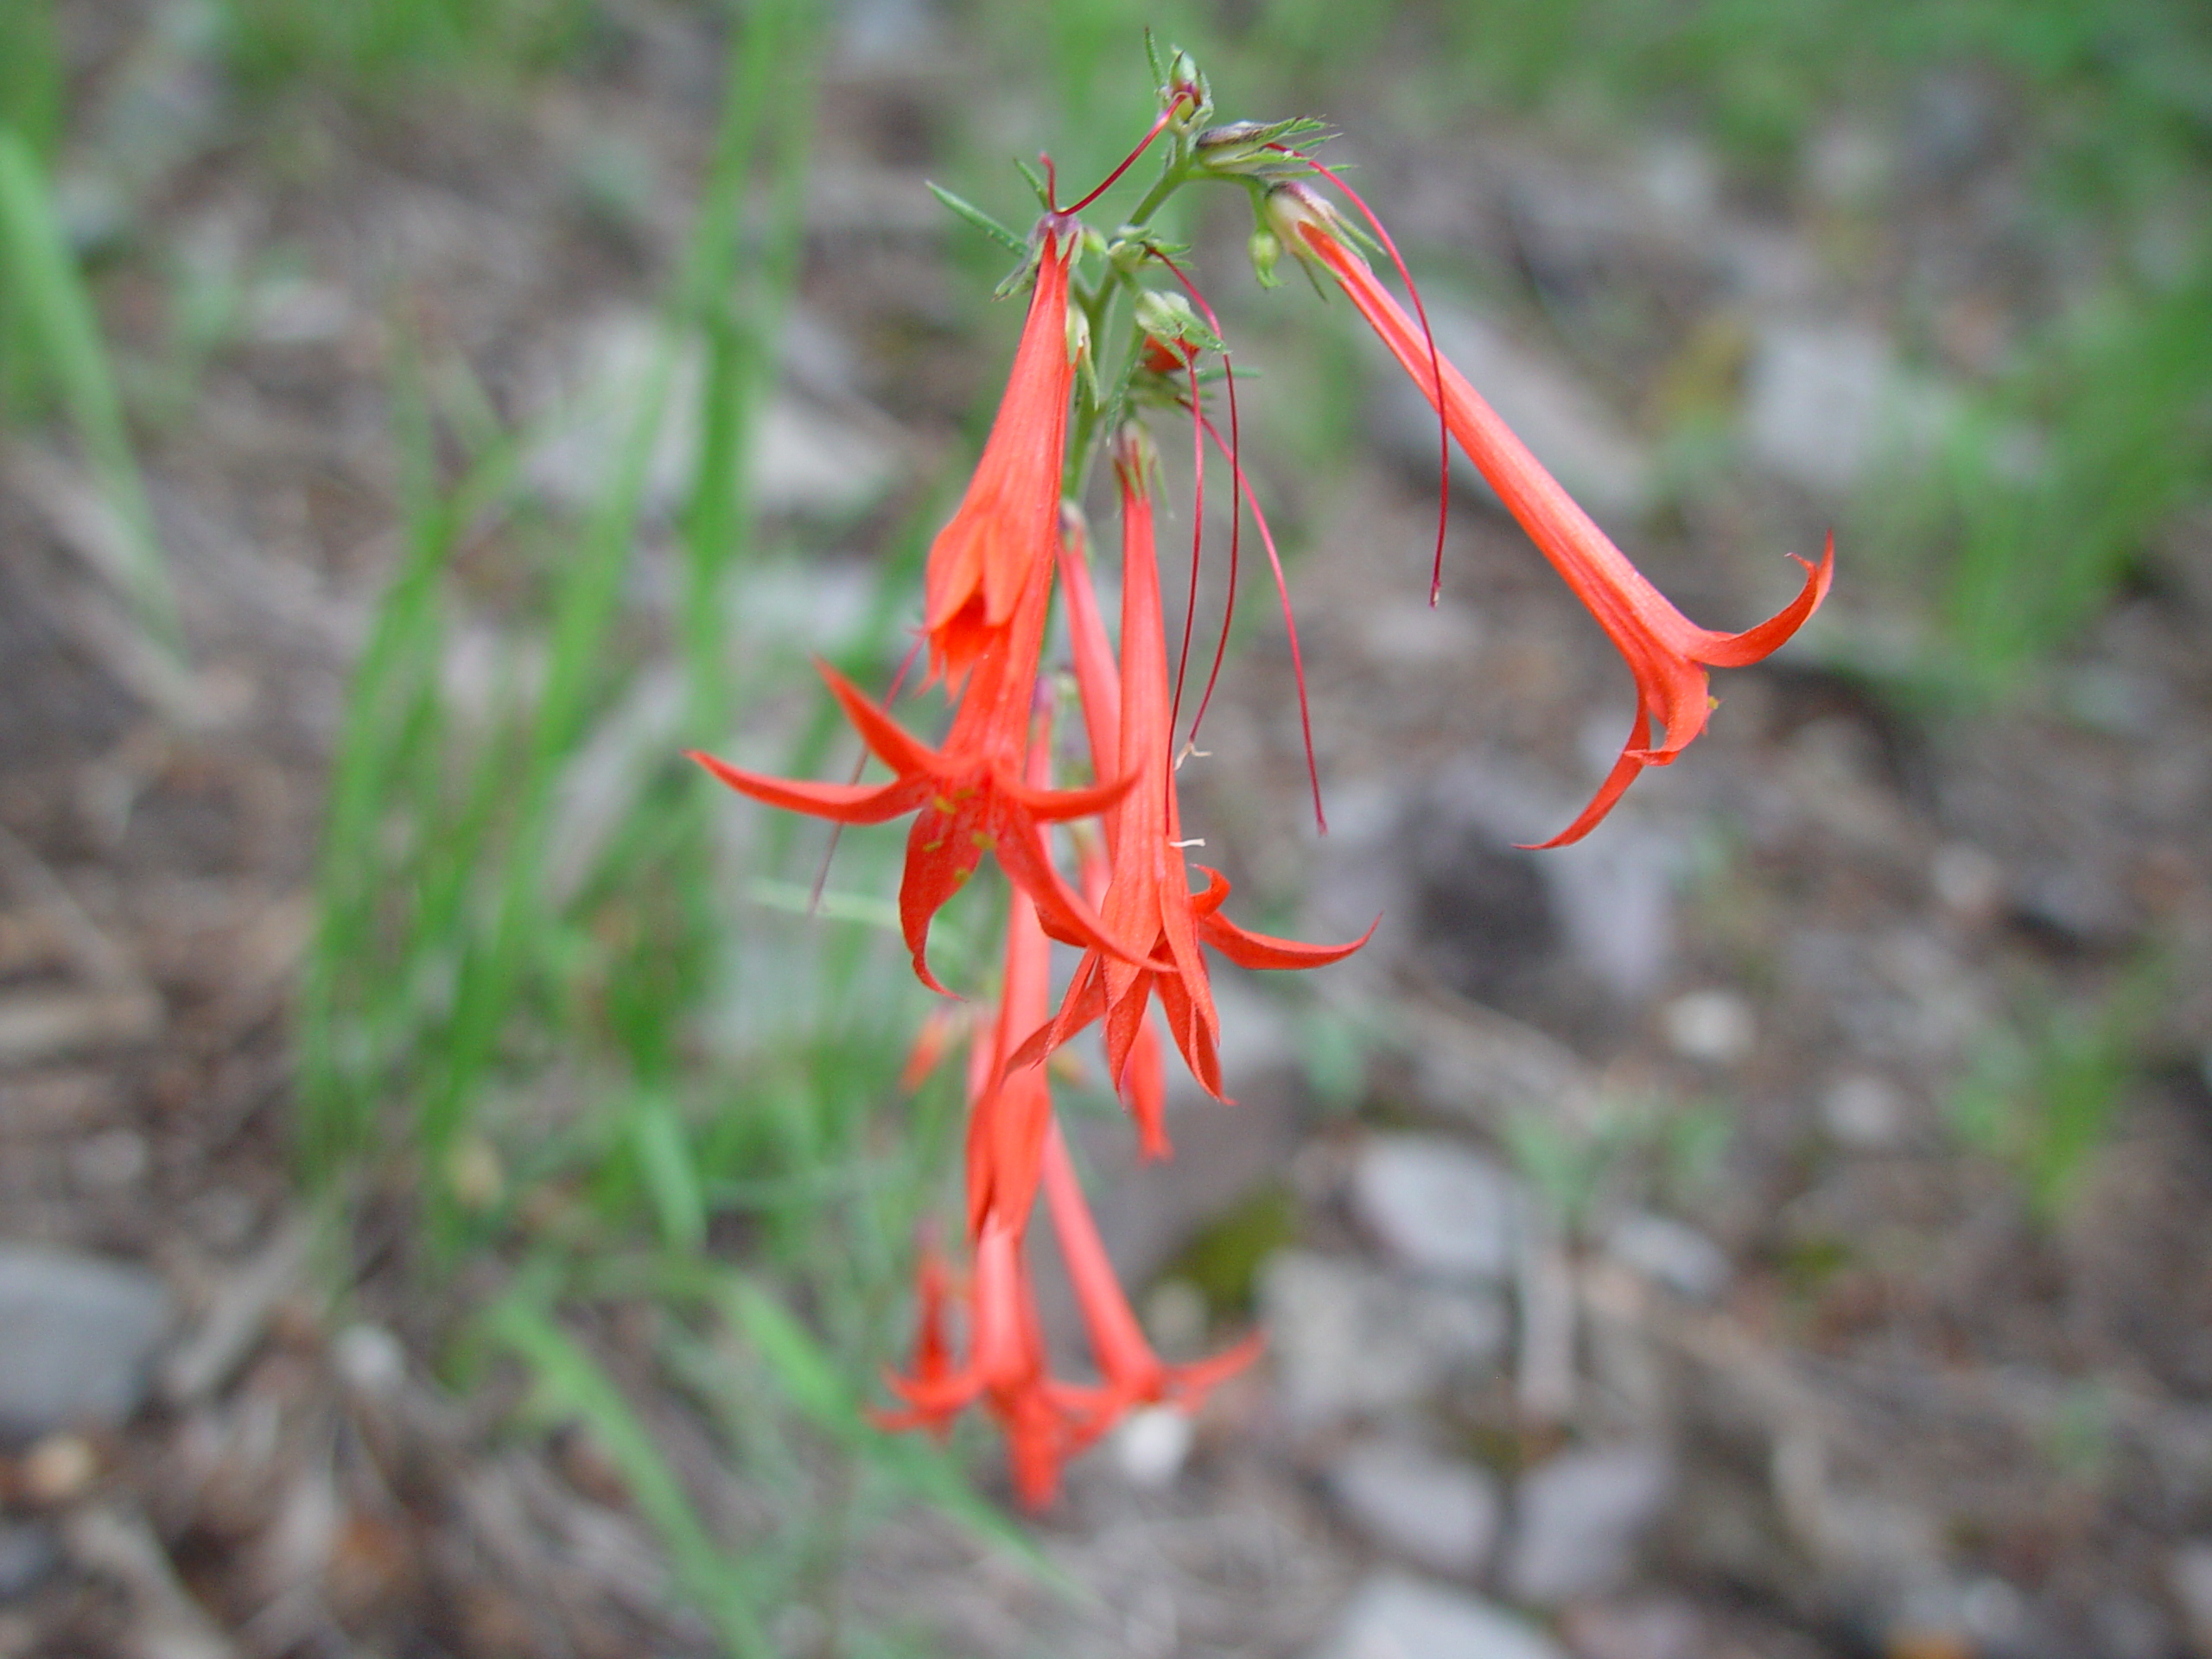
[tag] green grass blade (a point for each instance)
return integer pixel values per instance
(817, 1387)
(671, 1175)
(48, 292)
(571, 1383)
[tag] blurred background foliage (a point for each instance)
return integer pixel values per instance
(729, 1139)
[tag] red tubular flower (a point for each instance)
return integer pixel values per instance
(1148, 907)
(1143, 1080)
(1010, 1110)
(1046, 1421)
(1665, 651)
(970, 793)
(1003, 535)
(1132, 1374)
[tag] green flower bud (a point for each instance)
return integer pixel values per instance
(1265, 248)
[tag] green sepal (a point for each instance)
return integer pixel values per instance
(981, 220)
(1037, 183)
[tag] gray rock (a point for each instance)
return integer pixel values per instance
(1814, 400)
(1560, 418)
(1482, 1066)
(1578, 1518)
(1437, 1206)
(1643, 1629)
(1615, 897)
(1862, 1111)
(29, 1553)
(1437, 1512)
(1714, 1026)
(1669, 1253)
(1347, 1338)
(1823, 400)
(1395, 1617)
(80, 1336)
(2189, 1576)
(1606, 902)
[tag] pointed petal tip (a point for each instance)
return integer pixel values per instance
(1760, 641)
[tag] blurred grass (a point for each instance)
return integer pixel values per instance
(2043, 1093)
(53, 341)
(606, 1079)
(377, 46)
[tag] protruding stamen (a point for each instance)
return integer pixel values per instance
(1144, 143)
(1236, 495)
(1290, 627)
(1435, 360)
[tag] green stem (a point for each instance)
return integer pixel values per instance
(1171, 180)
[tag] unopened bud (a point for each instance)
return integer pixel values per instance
(1134, 456)
(1291, 208)
(1168, 317)
(1296, 220)
(1165, 316)
(1265, 249)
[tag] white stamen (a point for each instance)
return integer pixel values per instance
(1195, 840)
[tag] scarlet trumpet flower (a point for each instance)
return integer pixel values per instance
(1045, 1421)
(1666, 651)
(1149, 908)
(1131, 1373)
(1011, 1141)
(1010, 1116)
(1143, 1080)
(970, 793)
(1003, 534)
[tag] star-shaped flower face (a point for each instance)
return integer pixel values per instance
(971, 794)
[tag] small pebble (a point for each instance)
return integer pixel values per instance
(1863, 1112)
(58, 1468)
(1968, 881)
(1715, 1028)
(1151, 1445)
(1670, 1252)
(109, 1160)
(369, 1358)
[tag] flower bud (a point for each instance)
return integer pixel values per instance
(1169, 318)
(1292, 207)
(1265, 248)
(1134, 457)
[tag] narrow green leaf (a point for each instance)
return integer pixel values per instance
(671, 1175)
(42, 279)
(981, 220)
(571, 1383)
(817, 1389)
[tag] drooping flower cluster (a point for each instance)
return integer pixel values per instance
(1017, 542)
